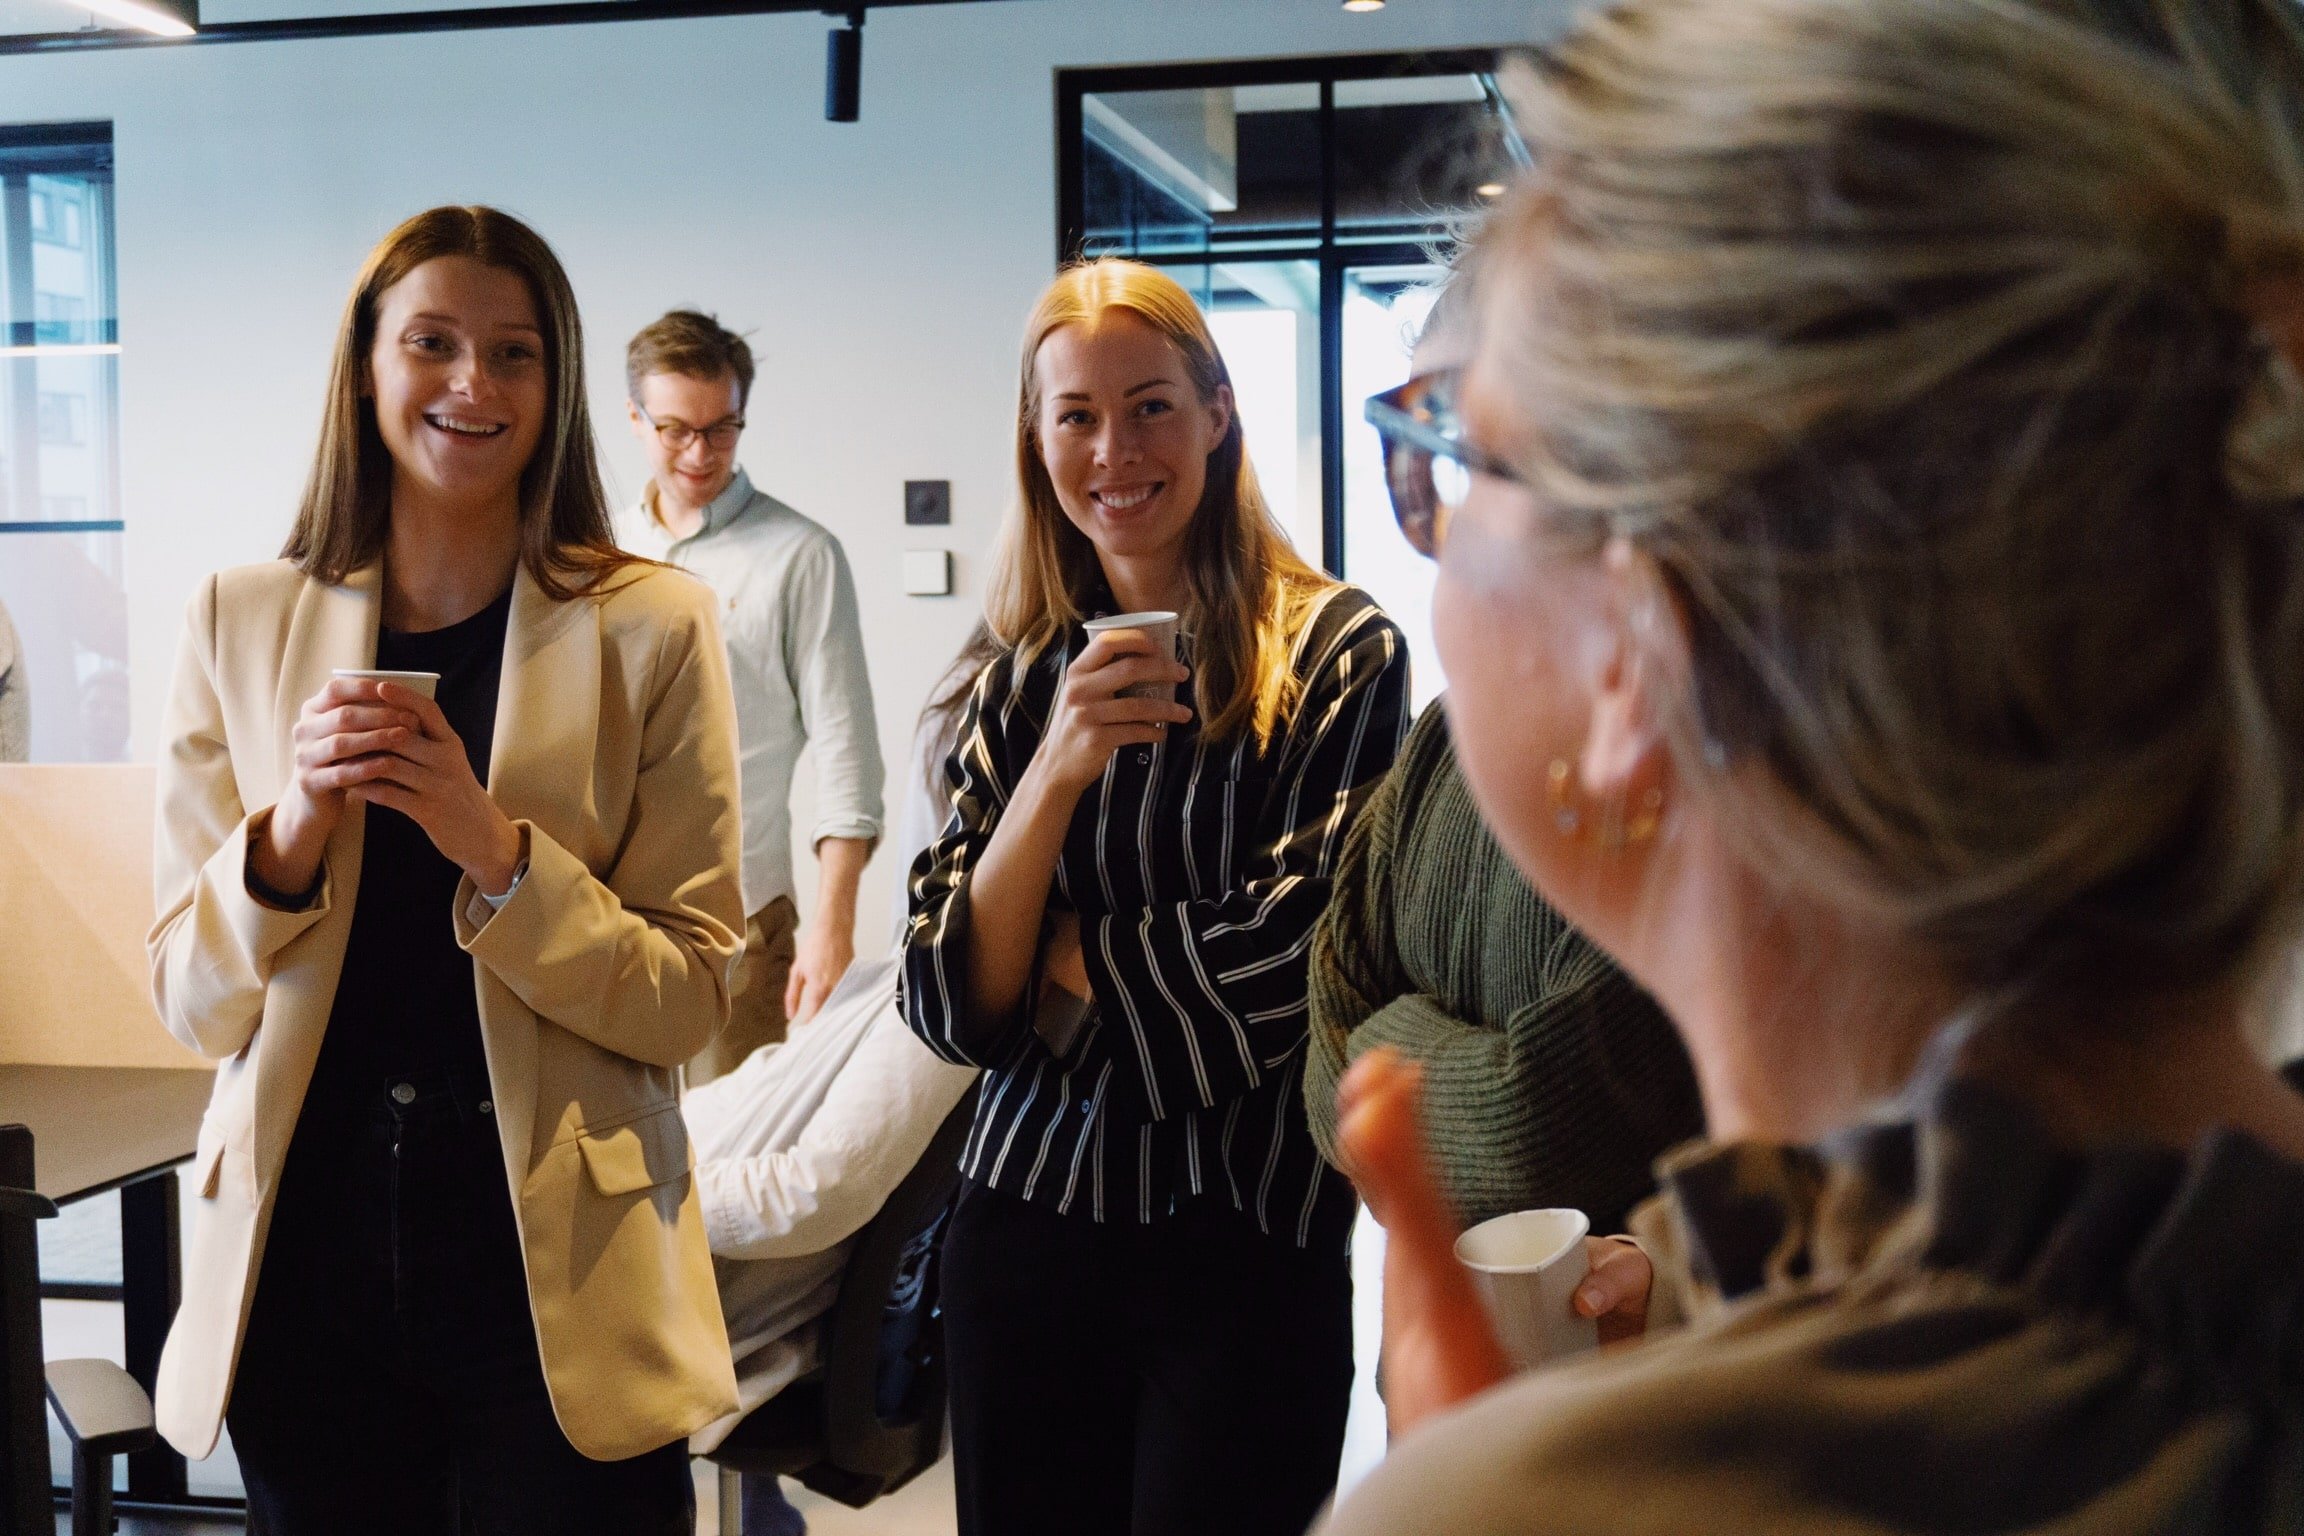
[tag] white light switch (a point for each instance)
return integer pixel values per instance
(928, 573)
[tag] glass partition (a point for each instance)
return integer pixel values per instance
(60, 529)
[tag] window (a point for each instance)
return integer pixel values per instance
(1302, 202)
(57, 213)
(60, 525)
(63, 423)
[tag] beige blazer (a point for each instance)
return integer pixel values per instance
(615, 751)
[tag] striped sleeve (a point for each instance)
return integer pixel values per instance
(1213, 994)
(936, 1001)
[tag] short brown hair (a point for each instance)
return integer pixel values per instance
(691, 342)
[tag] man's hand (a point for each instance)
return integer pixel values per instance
(827, 940)
(819, 961)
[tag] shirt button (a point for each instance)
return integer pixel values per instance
(487, 1107)
(403, 1093)
(1087, 1106)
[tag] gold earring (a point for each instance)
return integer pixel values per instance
(1565, 816)
(1616, 830)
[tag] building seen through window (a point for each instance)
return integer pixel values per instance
(60, 523)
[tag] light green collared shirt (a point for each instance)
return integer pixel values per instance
(796, 659)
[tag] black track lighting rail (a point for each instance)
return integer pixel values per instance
(553, 13)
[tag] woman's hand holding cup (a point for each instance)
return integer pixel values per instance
(1091, 721)
(428, 778)
(342, 735)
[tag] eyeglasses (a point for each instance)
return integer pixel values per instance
(677, 435)
(1428, 462)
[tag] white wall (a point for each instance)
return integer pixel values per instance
(883, 267)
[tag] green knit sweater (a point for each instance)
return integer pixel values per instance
(1550, 1078)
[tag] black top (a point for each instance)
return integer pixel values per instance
(407, 1002)
(1197, 869)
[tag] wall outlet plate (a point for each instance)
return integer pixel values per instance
(927, 573)
(927, 503)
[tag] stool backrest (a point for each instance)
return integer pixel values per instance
(26, 1503)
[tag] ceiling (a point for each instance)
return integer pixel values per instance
(66, 25)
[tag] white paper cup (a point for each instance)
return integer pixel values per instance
(1160, 629)
(1527, 1265)
(421, 682)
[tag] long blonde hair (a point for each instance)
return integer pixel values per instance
(566, 541)
(1911, 340)
(1249, 589)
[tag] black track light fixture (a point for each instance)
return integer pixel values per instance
(844, 67)
(162, 18)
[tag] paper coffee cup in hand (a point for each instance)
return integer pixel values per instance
(416, 682)
(1527, 1266)
(1160, 629)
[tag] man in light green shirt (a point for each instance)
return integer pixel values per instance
(796, 660)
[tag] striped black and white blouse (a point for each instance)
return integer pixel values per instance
(1198, 870)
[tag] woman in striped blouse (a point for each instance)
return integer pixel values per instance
(1148, 1307)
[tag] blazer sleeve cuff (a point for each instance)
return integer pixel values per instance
(262, 929)
(490, 932)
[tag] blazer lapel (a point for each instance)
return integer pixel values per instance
(331, 627)
(540, 771)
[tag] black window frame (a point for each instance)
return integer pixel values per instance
(1331, 255)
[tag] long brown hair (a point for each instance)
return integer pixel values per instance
(1249, 590)
(565, 538)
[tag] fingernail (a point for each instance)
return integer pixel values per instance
(1589, 1298)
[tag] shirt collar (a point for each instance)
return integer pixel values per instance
(722, 510)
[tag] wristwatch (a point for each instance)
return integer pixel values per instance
(519, 873)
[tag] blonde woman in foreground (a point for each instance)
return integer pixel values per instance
(1877, 617)
(1148, 1307)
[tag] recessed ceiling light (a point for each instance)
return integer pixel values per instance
(1363, 5)
(1490, 189)
(164, 19)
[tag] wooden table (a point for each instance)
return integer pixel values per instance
(96, 1129)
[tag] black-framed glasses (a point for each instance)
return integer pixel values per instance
(1428, 462)
(677, 435)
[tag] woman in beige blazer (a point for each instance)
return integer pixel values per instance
(447, 1270)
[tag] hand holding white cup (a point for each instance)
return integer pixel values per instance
(1527, 1266)
(1157, 627)
(425, 683)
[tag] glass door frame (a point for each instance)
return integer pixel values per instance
(1331, 256)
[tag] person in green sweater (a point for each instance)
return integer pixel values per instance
(1549, 1077)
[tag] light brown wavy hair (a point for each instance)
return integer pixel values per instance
(566, 542)
(1913, 341)
(1249, 589)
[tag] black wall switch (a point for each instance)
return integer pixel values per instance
(927, 503)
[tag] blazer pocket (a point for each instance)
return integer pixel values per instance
(639, 1154)
(215, 1157)
(207, 1161)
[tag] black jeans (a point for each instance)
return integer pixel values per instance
(1184, 1378)
(389, 1381)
